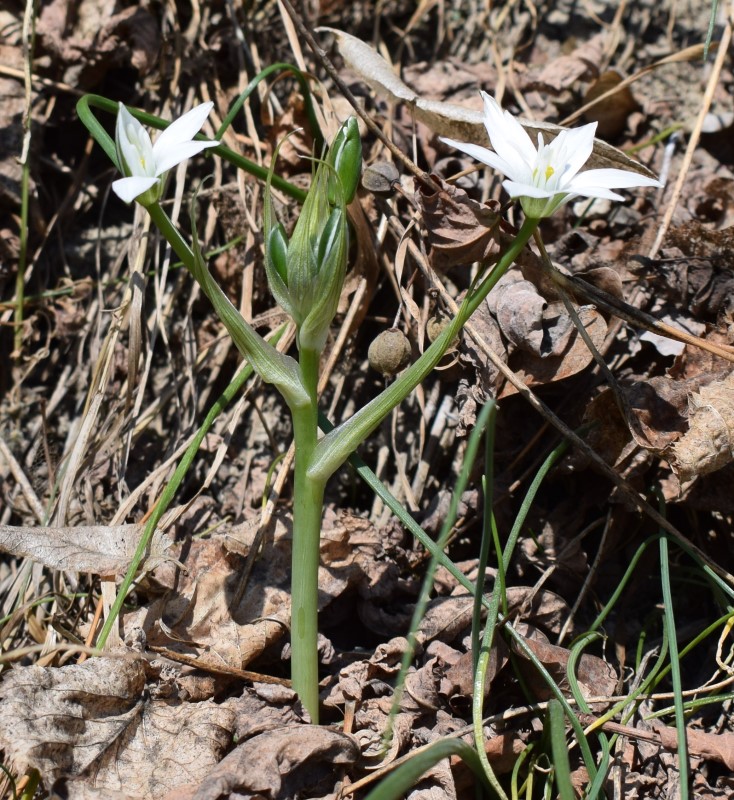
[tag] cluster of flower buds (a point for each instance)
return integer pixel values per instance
(306, 273)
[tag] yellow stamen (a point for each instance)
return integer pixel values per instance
(549, 172)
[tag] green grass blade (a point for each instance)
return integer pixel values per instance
(559, 748)
(172, 487)
(675, 676)
(407, 774)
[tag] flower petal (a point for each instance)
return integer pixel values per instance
(572, 148)
(612, 179)
(176, 154)
(483, 154)
(595, 192)
(182, 130)
(518, 189)
(128, 189)
(509, 139)
(133, 145)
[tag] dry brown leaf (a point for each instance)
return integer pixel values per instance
(459, 678)
(502, 751)
(609, 434)
(655, 411)
(211, 612)
(708, 445)
(446, 617)
(535, 370)
(596, 677)
(527, 320)
(60, 720)
(100, 39)
(448, 119)
(715, 746)
(541, 607)
(279, 763)
(91, 725)
(461, 231)
(100, 549)
(202, 612)
(487, 377)
(580, 65)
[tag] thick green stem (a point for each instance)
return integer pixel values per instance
(308, 497)
(300, 392)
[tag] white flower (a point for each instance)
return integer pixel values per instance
(548, 176)
(145, 163)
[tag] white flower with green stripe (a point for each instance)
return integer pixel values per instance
(549, 175)
(145, 164)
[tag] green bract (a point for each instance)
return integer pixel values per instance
(306, 274)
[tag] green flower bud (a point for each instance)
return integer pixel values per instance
(277, 248)
(345, 156)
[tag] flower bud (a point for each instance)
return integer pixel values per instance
(306, 274)
(345, 156)
(277, 249)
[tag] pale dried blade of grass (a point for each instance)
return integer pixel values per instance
(708, 96)
(25, 485)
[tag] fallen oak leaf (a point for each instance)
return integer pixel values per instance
(100, 549)
(460, 230)
(708, 444)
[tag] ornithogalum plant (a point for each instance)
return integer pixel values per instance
(306, 275)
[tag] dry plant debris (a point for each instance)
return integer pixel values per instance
(118, 359)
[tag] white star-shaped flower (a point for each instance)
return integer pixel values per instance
(144, 163)
(548, 176)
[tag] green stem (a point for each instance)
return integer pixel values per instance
(300, 392)
(308, 498)
(334, 449)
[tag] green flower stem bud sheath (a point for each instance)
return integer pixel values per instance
(272, 366)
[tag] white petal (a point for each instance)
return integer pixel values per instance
(128, 189)
(611, 179)
(483, 154)
(598, 193)
(182, 130)
(133, 145)
(125, 120)
(178, 153)
(507, 135)
(517, 189)
(595, 192)
(572, 148)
